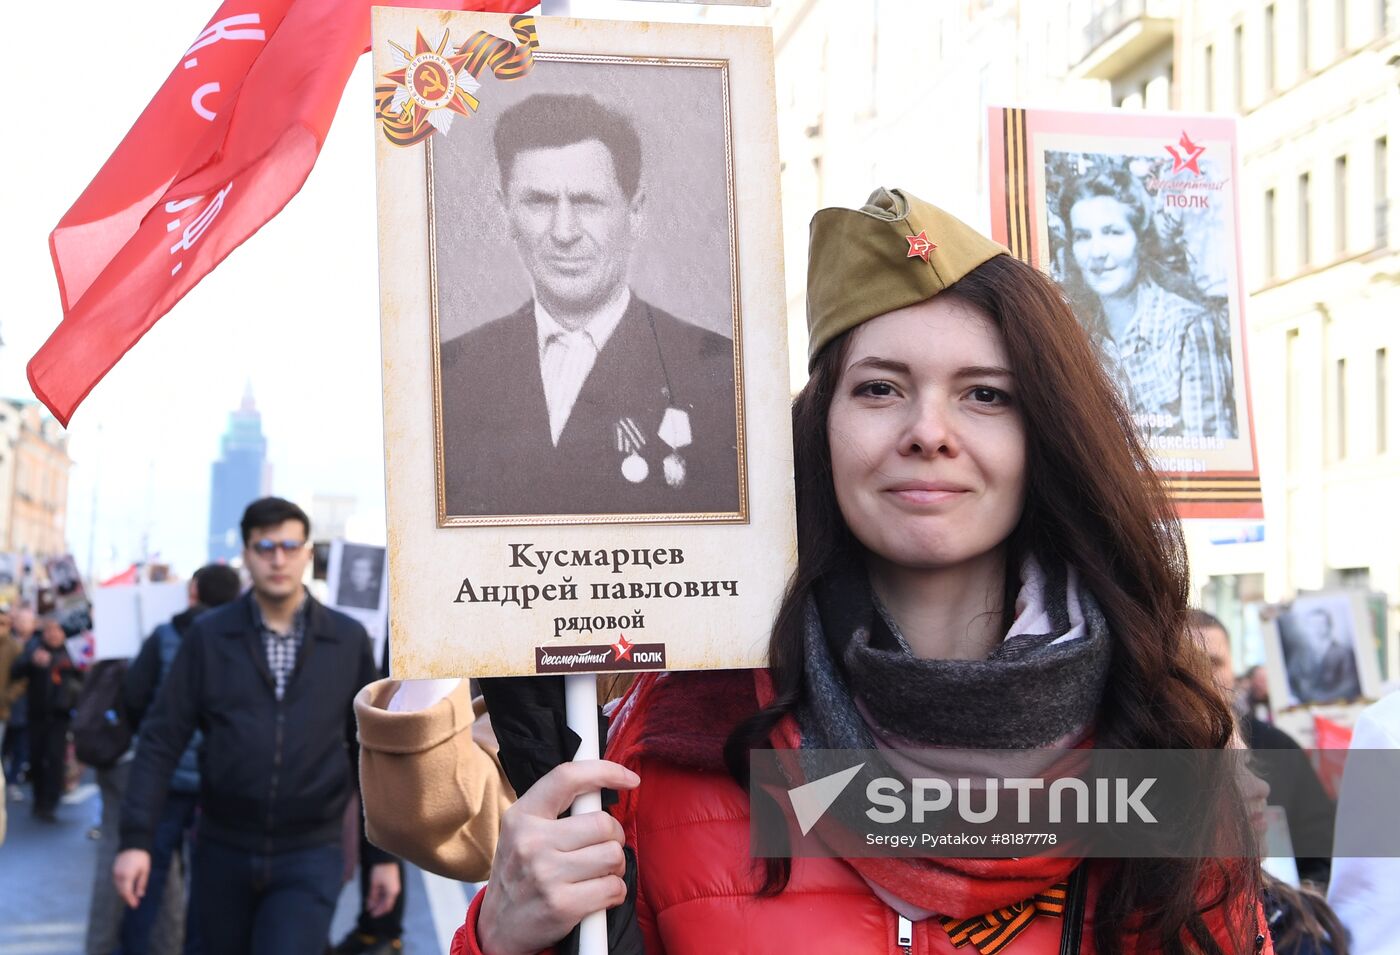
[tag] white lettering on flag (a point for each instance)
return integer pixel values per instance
(197, 100)
(179, 205)
(215, 32)
(199, 226)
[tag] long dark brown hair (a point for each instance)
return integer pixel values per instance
(1093, 502)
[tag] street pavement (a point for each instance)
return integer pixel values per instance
(46, 876)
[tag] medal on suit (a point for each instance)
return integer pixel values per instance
(630, 441)
(675, 433)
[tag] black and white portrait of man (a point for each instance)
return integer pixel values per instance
(1319, 651)
(361, 577)
(605, 383)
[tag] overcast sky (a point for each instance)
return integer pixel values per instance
(294, 310)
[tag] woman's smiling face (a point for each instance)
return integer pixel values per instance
(928, 448)
(1105, 245)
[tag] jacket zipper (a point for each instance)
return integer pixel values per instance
(276, 771)
(906, 936)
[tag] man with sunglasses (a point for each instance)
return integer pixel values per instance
(269, 680)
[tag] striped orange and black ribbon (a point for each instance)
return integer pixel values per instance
(1214, 489)
(992, 932)
(403, 127)
(1018, 212)
(507, 60)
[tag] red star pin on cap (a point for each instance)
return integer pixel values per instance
(920, 246)
(622, 648)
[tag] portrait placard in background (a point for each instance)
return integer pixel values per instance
(584, 335)
(356, 585)
(1136, 217)
(1321, 650)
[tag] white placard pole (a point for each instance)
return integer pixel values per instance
(581, 713)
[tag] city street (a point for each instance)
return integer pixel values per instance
(46, 877)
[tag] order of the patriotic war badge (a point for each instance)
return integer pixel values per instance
(433, 83)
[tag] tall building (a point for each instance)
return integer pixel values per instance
(34, 467)
(237, 478)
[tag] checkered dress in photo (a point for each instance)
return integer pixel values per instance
(1174, 372)
(281, 648)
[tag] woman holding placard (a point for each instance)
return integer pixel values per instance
(985, 562)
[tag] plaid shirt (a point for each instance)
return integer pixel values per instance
(281, 648)
(1173, 373)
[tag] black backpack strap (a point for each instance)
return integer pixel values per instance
(1072, 932)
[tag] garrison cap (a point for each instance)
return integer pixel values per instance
(894, 251)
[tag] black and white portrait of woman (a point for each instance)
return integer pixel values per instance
(1141, 265)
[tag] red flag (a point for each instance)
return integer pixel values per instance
(222, 147)
(125, 579)
(1332, 741)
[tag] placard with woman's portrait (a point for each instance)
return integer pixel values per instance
(1136, 217)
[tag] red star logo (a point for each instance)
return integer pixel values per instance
(1186, 159)
(622, 648)
(919, 245)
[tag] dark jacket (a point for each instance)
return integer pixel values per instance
(143, 680)
(53, 689)
(499, 458)
(144, 676)
(1293, 784)
(274, 775)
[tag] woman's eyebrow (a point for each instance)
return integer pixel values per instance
(882, 364)
(984, 371)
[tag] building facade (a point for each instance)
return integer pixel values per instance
(239, 477)
(894, 92)
(1315, 85)
(34, 466)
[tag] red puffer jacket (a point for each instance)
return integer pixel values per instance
(696, 881)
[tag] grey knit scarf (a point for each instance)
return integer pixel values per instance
(1030, 692)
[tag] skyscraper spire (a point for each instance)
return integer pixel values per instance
(237, 478)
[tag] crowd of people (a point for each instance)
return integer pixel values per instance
(222, 821)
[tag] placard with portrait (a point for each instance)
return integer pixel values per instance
(357, 584)
(1136, 217)
(1321, 650)
(584, 343)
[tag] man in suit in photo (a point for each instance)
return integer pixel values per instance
(359, 580)
(586, 399)
(1324, 668)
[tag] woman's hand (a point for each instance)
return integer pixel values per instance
(548, 872)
